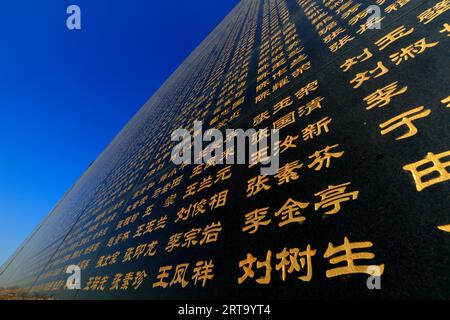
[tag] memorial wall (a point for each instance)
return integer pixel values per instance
(361, 101)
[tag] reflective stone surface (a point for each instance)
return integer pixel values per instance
(362, 190)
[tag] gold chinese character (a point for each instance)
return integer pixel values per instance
(205, 183)
(128, 255)
(211, 233)
(297, 260)
(340, 43)
(116, 282)
(310, 106)
(406, 119)
(286, 173)
(286, 144)
(163, 274)
(260, 156)
(260, 118)
(362, 77)
(284, 121)
(369, 25)
(286, 102)
(358, 17)
(180, 275)
(446, 29)
(446, 101)
(148, 211)
(255, 219)
(280, 84)
(218, 199)
(349, 63)
(198, 208)
(174, 242)
(324, 156)
(262, 96)
(127, 280)
(267, 265)
(190, 237)
(304, 67)
(333, 196)
(333, 35)
(290, 212)
(383, 96)
(183, 214)
(393, 36)
(396, 5)
(306, 90)
(139, 278)
(247, 266)
(432, 13)
(202, 272)
(297, 60)
(161, 223)
(349, 257)
(315, 129)
(256, 184)
(170, 200)
(411, 51)
(190, 190)
(197, 170)
(445, 228)
(223, 174)
(151, 249)
(422, 169)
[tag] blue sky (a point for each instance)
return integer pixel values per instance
(64, 94)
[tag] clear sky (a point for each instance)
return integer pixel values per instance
(64, 94)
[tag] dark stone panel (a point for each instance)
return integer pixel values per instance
(399, 222)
